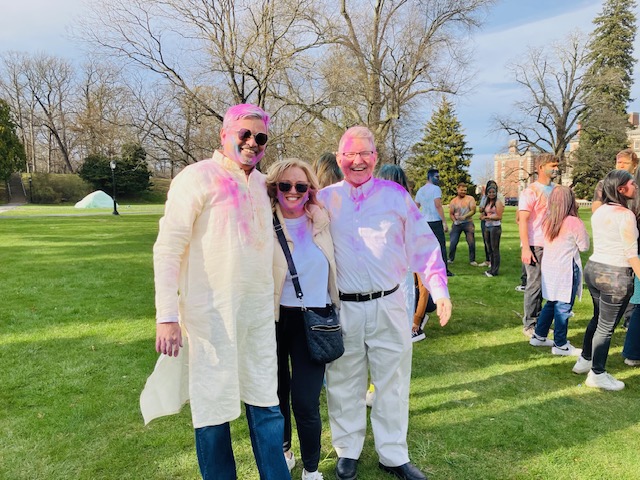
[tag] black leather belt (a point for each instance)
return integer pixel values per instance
(365, 297)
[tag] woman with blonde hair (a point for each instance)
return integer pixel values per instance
(292, 186)
(565, 236)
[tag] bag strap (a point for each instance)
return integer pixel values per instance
(287, 254)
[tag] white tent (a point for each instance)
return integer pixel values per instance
(97, 199)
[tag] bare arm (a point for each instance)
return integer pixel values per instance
(523, 228)
(596, 204)
(635, 264)
(438, 203)
(499, 211)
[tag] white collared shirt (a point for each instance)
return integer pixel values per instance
(377, 232)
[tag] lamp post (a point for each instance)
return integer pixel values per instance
(112, 164)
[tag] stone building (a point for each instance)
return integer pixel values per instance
(514, 171)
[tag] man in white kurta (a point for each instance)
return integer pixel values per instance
(377, 231)
(213, 275)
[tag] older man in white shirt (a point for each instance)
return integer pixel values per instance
(377, 232)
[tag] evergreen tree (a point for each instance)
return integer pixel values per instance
(12, 154)
(132, 172)
(608, 93)
(443, 146)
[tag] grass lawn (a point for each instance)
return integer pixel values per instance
(77, 343)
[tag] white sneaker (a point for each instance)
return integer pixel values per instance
(582, 365)
(537, 341)
(291, 461)
(488, 274)
(567, 350)
(424, 321)
(632, 363)
(474, 264)
(604, 381)
(311, 475)
(520, 288)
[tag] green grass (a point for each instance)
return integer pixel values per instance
(76, 346)
(32, 210)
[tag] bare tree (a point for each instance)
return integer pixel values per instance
(50, 81)
(546, 120)
(384, 58)
(238, 46)
(102, 110)
(13, 85)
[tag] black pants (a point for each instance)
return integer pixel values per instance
(492, 240)
(483, 229)
(438, 231)
(610, 288)
(300, 380)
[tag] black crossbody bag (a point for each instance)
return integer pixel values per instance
(324, 334)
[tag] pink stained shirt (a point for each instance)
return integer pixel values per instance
(557, 262)
(377, 232)
(533, 199)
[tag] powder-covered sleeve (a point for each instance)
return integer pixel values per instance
(184, 204)
(423, 251)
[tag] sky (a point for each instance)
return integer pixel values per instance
(511, 27)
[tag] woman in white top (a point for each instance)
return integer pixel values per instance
(609, 275)
(292, 186)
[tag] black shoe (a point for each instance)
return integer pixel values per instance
(408, 471)
(346, 469)
(450, 273)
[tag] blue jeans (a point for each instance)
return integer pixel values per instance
(469, 231)
(631, 348)
(560, 311)
(266, 428)
(611, 288)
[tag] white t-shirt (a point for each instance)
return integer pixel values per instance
(311, 264)
(425, 197)
(615, 235)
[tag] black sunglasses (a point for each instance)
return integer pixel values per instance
(245, 134)
(285, 187)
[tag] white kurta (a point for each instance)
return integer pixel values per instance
(213, 270)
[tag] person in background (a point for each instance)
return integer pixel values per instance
(327, 169)
(292, 186)
(491, 214)
(481, 204)
(565, 237)
(625, 160)
(532, 209)
(609, 275)
(213, 265)
(461, 211)
(377, 231)
(429, 201)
